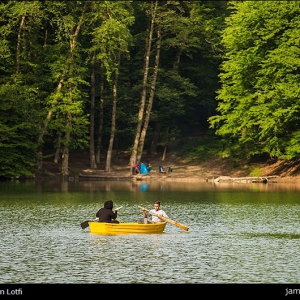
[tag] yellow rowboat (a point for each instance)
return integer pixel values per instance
(126, 228)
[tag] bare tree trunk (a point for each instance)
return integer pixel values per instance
(164, 153)
(57, 155)
(19, 46)
(113, 117)
(58, 149)
(100, 133)
(177, 60)
(65, 150)
(93, 164)
(151, 97)
(134, 152)
(65, 163)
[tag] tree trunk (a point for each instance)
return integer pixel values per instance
(151, 97)
(113, 118)
(93, 164)
(134, 152)
(58, 149)
(164, 153)
(57, 155)
(60, 84)
(65, 163)
(65, 154)
(19, 46)
(101, 103)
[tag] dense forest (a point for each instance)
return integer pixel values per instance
(137, 76)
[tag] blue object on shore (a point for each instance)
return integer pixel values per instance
(143, 169)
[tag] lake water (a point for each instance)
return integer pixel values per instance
(238, 233)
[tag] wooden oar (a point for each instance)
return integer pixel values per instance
(85, 224)
(166, 219)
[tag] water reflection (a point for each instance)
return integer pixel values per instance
(165, 186)
(66, 186)
(144, 187)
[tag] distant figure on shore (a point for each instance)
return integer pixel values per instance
(170, 169)
(161, 169)
(135, 169)
(149, 167)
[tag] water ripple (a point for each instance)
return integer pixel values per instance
(231, 239)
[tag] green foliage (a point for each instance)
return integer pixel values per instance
(46, 50)
(18, 131)
(255, 173)
(200, 148)
(258, 103)
(112, 36)
(293, 148)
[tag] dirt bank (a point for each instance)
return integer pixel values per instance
(183, 170)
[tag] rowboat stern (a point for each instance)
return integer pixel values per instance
(126, 228)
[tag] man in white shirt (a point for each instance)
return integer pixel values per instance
(153, 215)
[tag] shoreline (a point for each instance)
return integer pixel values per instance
(100, 175)
(184, 171)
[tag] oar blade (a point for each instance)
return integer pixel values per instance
(175, 223)
(182, 226)
(85, 224)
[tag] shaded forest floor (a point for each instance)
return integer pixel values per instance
(182, 169)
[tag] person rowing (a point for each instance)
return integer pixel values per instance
(106, 214)
(153, 216)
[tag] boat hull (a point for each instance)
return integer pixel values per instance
(126, 228)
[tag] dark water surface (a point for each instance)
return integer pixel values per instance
(238, 233)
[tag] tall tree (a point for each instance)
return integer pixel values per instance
(258, 104)
(19, 86)
(149, 39)
(113, 117)
(112, 39)
(151, 94)
(65, 71)
(69, 75)
(93, 163)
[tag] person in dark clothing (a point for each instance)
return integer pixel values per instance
(106, 214)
